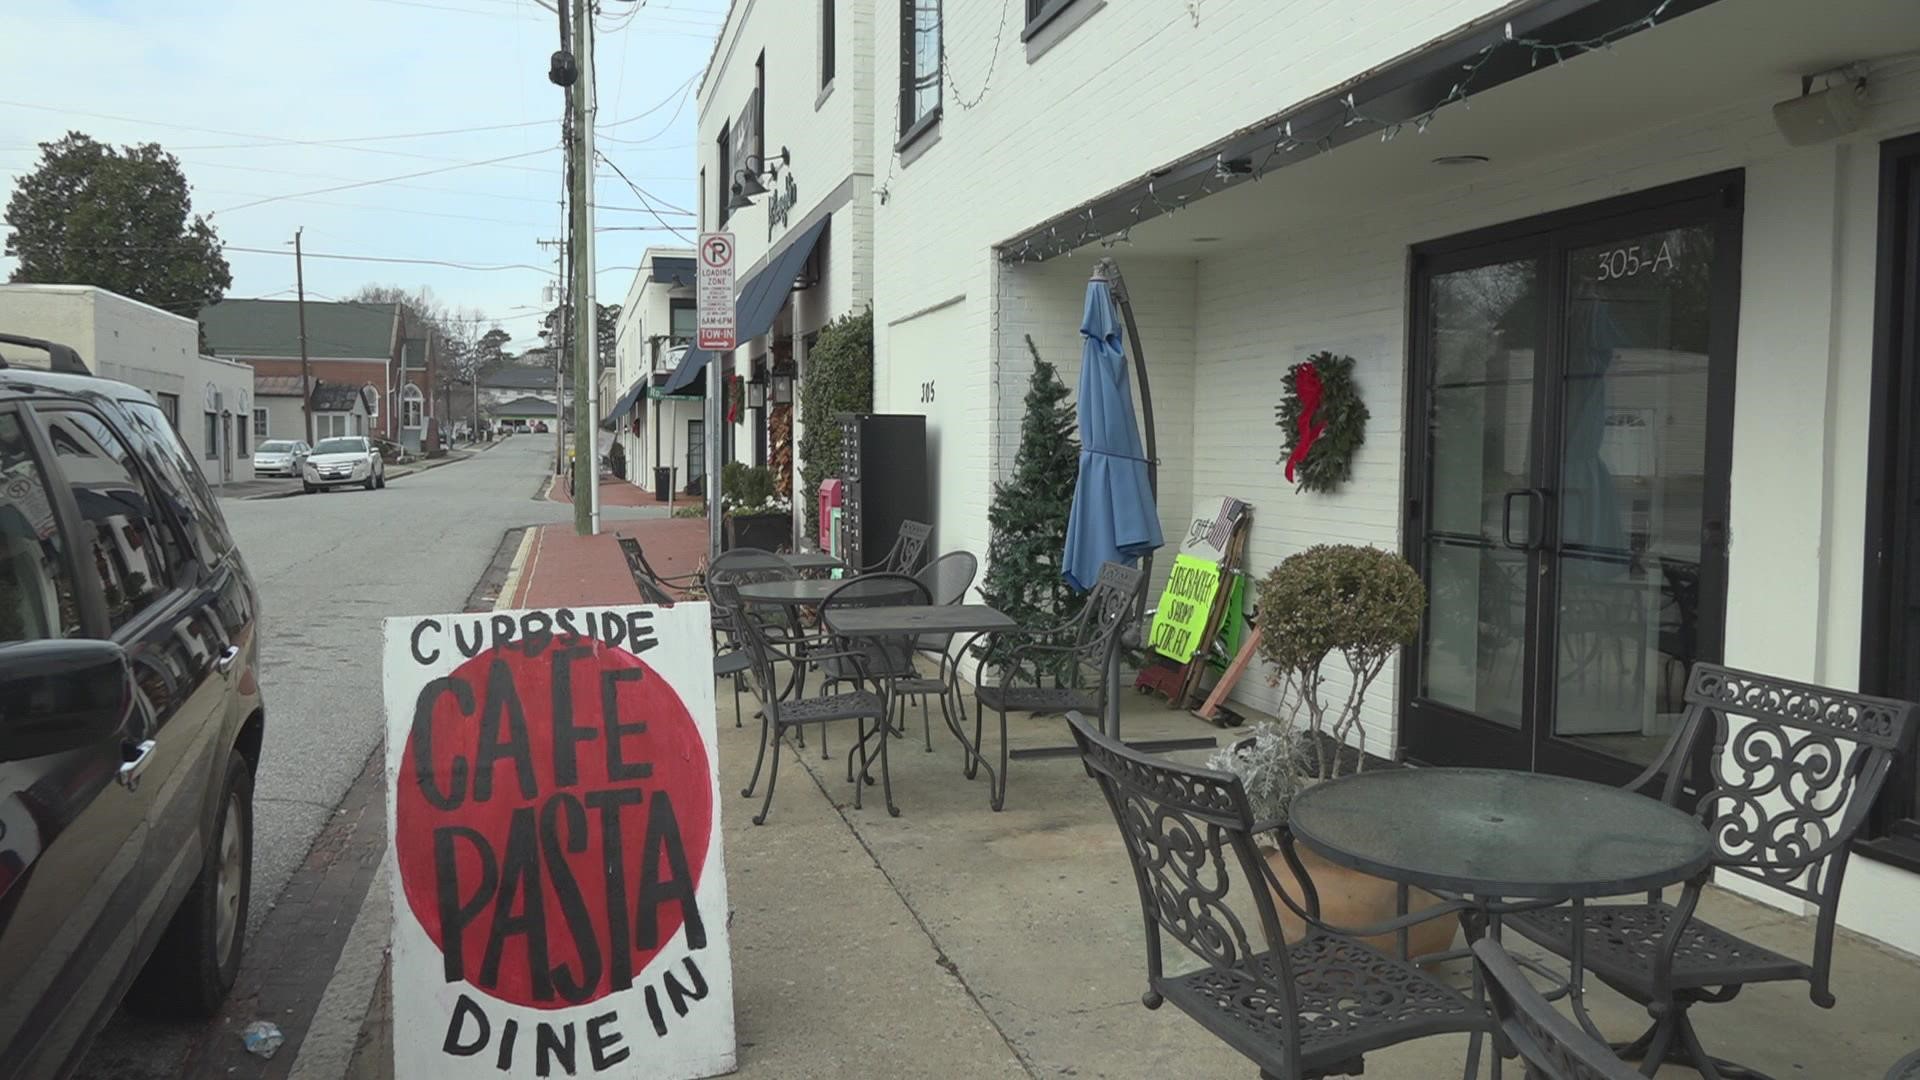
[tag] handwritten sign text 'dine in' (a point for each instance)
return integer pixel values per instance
(560, 905)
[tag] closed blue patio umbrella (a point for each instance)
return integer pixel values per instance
(1114, 516)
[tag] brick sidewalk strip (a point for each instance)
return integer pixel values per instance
(563, 569)
(612, 493)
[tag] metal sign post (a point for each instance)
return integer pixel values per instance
(715, 305)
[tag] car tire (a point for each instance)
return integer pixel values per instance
(307, 489)
(383, 478)
(372, 480)
(192, 969)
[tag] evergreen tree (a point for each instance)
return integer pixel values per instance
(1029, 512)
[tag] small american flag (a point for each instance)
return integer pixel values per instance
(1223, 522)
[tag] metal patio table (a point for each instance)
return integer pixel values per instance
(812, 562)
(1503, 841)
(933, 619)
(793, 595)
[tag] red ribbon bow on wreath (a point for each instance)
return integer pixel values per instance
(1306, 383)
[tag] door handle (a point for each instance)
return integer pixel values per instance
(131, 768)
(1536, 502)
(227, 656)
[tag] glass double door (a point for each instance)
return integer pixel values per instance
(1571, 436)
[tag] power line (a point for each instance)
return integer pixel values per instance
(267, 140)
(384, 180)
(642, 195)
(393, 259)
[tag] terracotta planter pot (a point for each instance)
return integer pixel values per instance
(1351, 898)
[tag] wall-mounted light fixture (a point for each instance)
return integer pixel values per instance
(757, 394)
(782, 388)
(754, 178)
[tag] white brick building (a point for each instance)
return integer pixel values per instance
(656, 327)
(1494, 278)
(787, 104)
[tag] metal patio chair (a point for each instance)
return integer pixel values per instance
(1795, 770)
(778, 716)
(731, 570)
(1553, 1046)
(1305, 1010)
(947, 579)
(904, 556)
(1907, 1068)
(1075, 653)
(888, 663)
(640, 568)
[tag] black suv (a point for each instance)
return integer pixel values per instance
(130, 716)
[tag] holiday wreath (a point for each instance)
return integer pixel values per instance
(1324, 419)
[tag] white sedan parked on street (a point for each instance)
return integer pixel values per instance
(347, 459)
(279, 457)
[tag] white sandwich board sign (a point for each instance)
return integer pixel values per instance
(553, 826)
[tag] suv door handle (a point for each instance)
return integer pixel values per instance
(131, 768)
(227, 656)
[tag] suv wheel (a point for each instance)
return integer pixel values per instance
(194, 965)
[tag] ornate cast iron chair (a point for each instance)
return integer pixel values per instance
(947, 579)
(777, 716)
(1076, 653)
(734, 568)
(1795, 769)
(1305, 1010)
(904, 556)
(1553, 1047)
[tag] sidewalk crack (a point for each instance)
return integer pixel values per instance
(940, 956)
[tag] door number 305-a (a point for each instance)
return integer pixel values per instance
(1626, 262)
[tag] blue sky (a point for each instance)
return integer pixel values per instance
(261, 100)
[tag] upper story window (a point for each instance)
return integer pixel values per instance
(683, 316)
(919, 65)
(826, 43)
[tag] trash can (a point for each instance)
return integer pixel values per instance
(662, 482)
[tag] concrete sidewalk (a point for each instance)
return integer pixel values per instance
(956, 942)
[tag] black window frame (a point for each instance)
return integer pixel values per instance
(678, 304)
(826, 43)
(179, 556)
(913, 126)
(1893, 476)
(210, 428)
(88, 606)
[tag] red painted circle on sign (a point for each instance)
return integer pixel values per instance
(549, 850)
(717, 251)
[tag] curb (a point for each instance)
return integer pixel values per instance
(510, 586)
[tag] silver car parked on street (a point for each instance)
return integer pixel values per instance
(344, 459)
(280, 457)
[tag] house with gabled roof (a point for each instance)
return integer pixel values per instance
(364, 345)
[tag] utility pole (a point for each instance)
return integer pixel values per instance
(300, 289)
(586, 323)
(557, 345)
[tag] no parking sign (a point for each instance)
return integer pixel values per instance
(560, 902)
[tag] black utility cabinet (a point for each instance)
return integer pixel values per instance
(886, 478)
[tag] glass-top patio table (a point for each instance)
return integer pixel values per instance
(1503, 841)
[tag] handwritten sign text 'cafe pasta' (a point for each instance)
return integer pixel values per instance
(560, 903)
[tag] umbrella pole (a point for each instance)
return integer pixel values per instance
(1110, 270)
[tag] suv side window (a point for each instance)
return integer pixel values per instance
(180, 475)
(36, 587)
(123, 538)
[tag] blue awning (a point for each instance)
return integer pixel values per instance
(624, 402)
(757, 302)
(686, 374)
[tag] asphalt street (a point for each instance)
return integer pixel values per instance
(329, 568)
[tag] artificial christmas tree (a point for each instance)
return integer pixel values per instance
(1029, 512)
